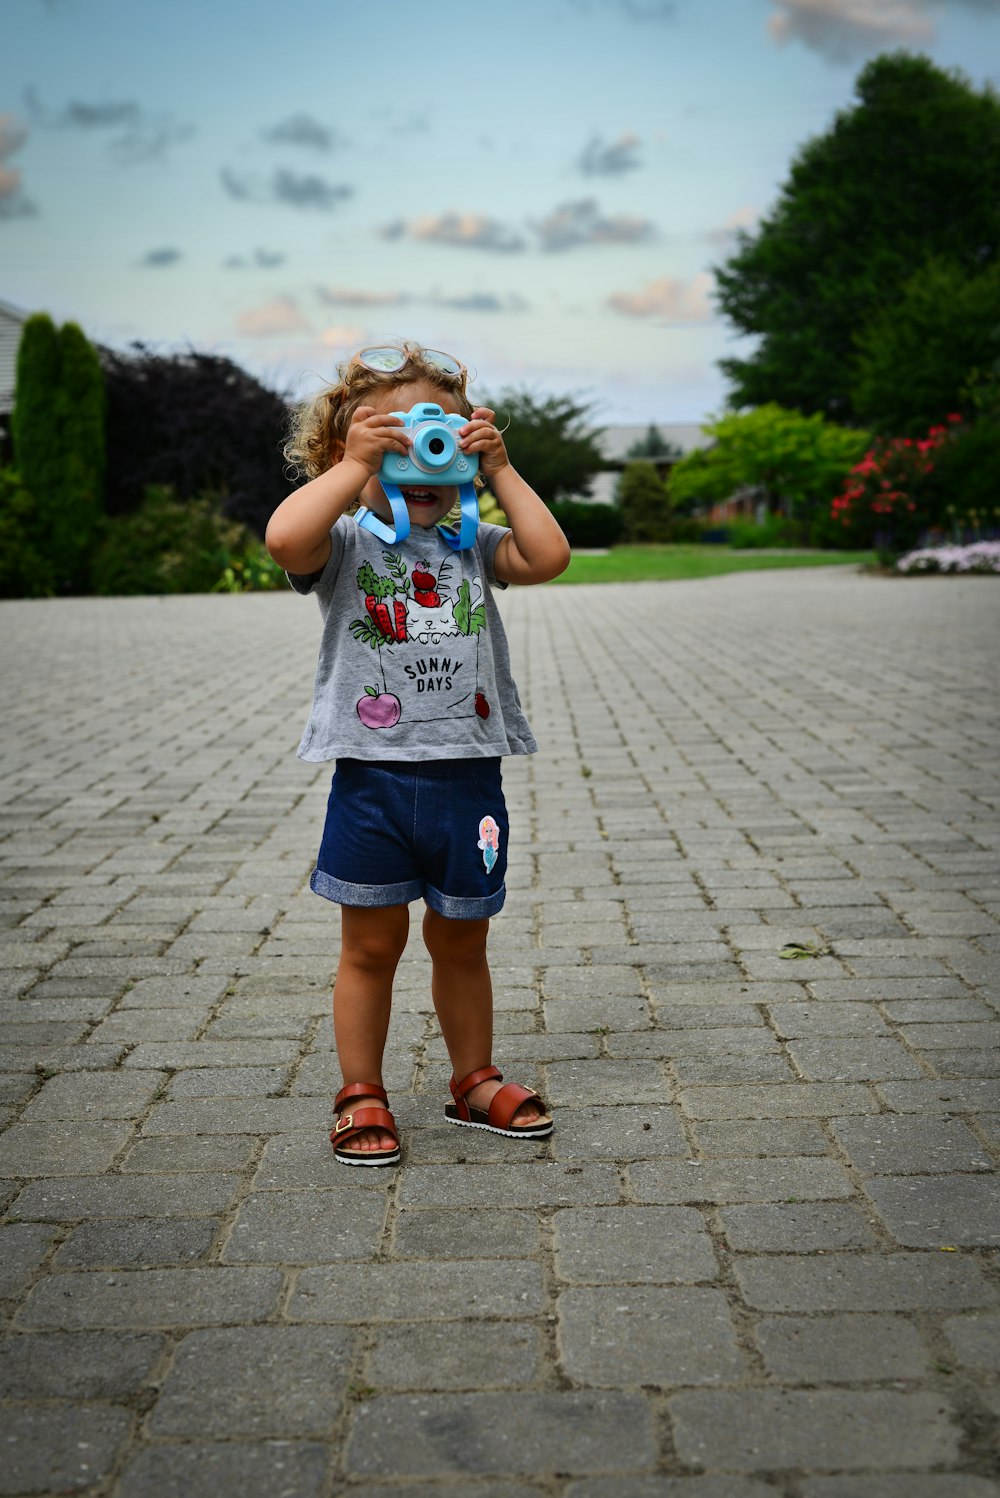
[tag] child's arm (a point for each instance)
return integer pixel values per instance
(534, 549)
(298, 533)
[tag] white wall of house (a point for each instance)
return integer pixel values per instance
(12, 320)
(616, 441)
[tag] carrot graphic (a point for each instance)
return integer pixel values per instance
(399, 609)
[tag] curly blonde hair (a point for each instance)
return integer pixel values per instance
(319, 426)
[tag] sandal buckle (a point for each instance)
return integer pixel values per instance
(347, 1122)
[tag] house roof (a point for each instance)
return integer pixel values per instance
(687, 435)
(17, 314)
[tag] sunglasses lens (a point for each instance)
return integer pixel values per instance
(382, 360)
(442, 361)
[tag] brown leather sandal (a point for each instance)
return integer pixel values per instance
(349, 1125)
(497, 1118)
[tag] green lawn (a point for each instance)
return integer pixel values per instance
(628, 564)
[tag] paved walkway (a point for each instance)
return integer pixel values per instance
(757, 1258)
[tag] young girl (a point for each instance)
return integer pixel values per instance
(415, 701)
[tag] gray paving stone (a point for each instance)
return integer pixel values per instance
(863, 1282)
(456, 1355)
(94, 1095)
(264, 1469)
(61, 1147)
(535, 1434)
(902, 1485)
(238, 1116)
(672, 1487)
(764, 1430)
(806, 1021)
(787, 1100)
(739, 1180)
(618, 1133)
(795, 1227)
(758, 1066)
(129, 1244)
(760, 1137)
(931, 1211)
(23, 1247)
(76, 1365)
(228, 1081)
(606, 1081)
(306, 1227)
(60, 1448)
(151, 1298)
(166, 1153)
(646, 1334)
(68, 1199)
(468, 1233)
(888, 1144)
(633, 1245)
(974, 1096)
(534, 1184)
(841, 1349)
(975, 1340)
(394, 1292)
(868, 1060)
(255, 1381)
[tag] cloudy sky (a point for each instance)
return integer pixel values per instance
(539, 186)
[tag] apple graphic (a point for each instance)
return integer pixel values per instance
(379, 709)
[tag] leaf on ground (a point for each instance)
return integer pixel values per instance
(796, 949)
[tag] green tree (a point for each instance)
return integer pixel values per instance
(549, 442)
(796, 461)
(917, 359)
(911, 172)
(653, 445)
(32, 424)
(58, 434)
(644, 503)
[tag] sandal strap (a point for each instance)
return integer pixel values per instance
(506, 1102)
(484, 1074)
(359, 1089)
(355, 1123)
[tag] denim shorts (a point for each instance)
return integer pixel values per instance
(405, 830)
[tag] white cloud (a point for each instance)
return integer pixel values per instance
(668, 299)
(609, 159)
(579, 223)
(473, 231)
(345, 296)
(273, 319)
(13, 203)
(844, 29)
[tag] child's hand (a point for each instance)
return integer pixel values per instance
(371, 435)
(480, 436)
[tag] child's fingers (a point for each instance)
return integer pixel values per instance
(483, 413)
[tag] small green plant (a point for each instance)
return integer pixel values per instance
(173, 546)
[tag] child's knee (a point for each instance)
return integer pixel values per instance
(375, 938)
(451, 940)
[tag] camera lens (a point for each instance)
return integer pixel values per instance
(433, 448)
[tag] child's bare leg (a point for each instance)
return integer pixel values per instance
(372, 944)
(463, 997)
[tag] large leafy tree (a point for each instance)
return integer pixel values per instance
(58, 435)
(912, 171)
(932, 352)
(796, 462)
(198, 424)
(549, 441)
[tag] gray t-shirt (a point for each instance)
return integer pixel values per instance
(413, 662)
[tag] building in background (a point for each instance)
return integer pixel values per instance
(12, 320)
(616, 442)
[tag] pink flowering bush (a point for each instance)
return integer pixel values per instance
(887, 500)
(980, 556)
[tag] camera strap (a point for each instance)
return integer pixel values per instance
(399, 530)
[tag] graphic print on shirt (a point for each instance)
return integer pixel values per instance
(425, 635)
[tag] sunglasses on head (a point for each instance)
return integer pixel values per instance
(388, 360)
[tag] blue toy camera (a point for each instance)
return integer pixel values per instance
(434, 458)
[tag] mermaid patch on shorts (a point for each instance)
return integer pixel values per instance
(489, 841)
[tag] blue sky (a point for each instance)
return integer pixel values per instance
(540, 187)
